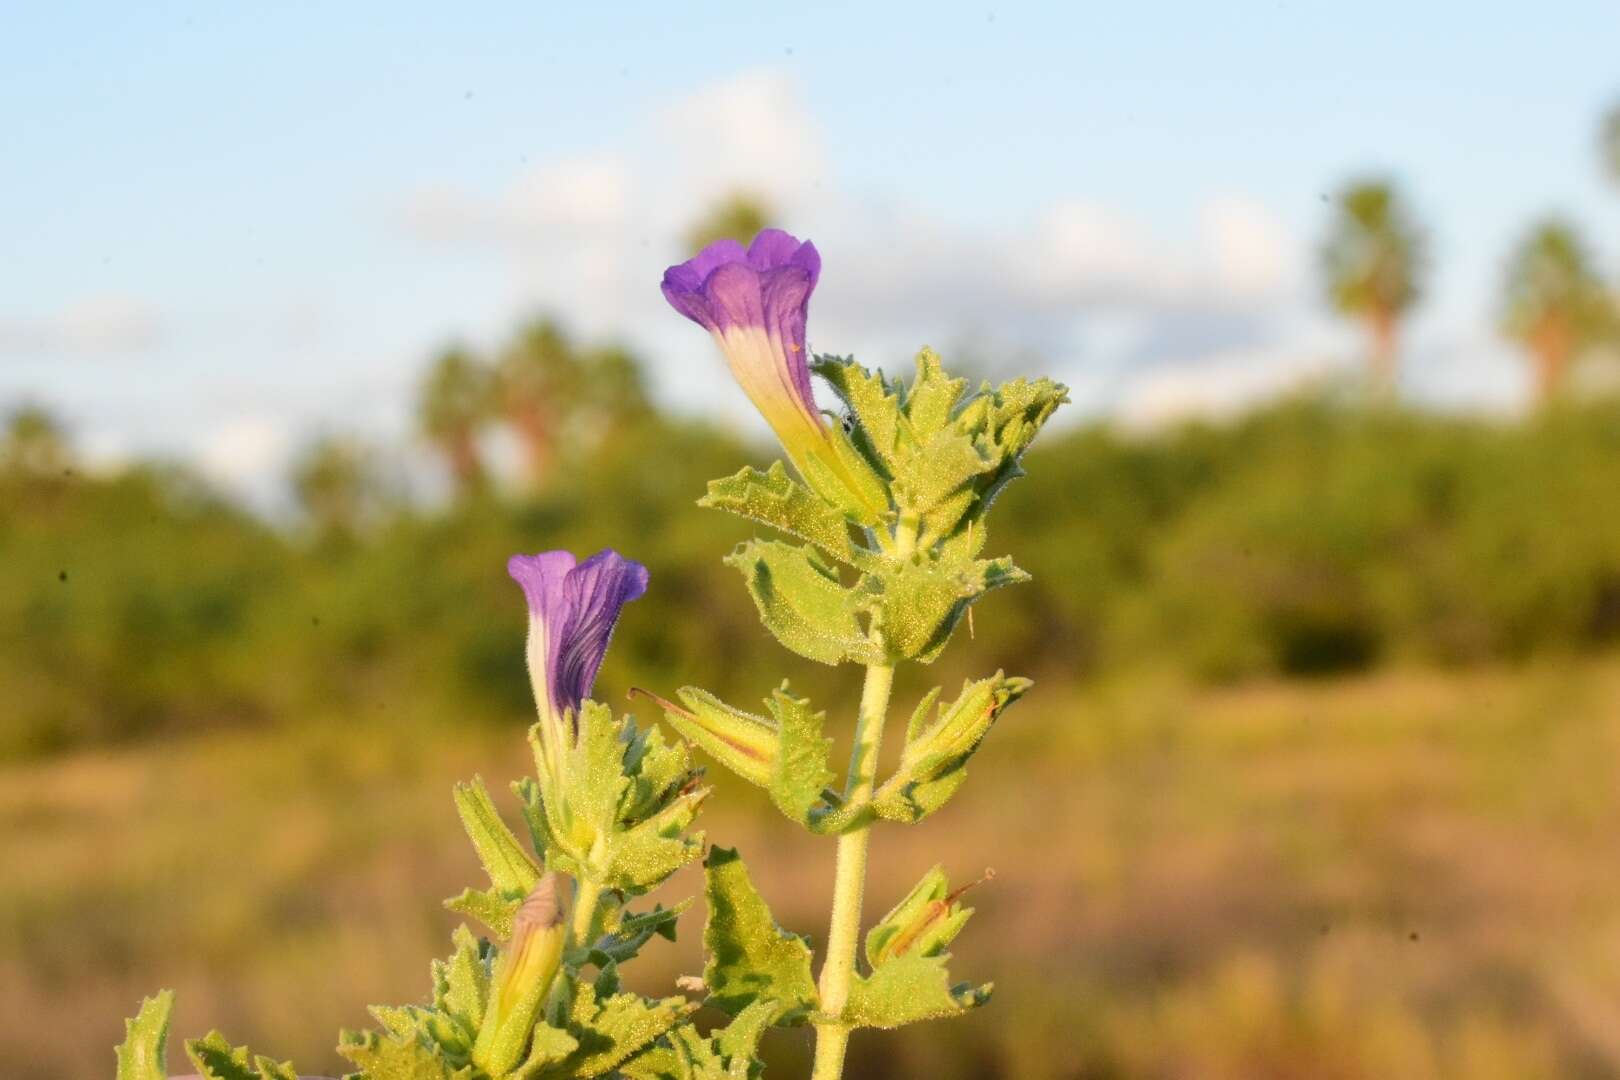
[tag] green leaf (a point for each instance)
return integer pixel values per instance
(398, 1057)
(510, 868)
(461, 990)
(141, 1054)
(547, 1047)
(494, 909)
(802, 602)
(908, 989)
(931, 398)
(738, 1041)
(750, 958)
(623, 935)
(920, 601)
(609, 1032)
(216, 1059)
(642, 857)
(801, 771)
(774, 498)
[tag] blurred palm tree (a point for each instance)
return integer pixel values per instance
(739, 216)
(1610, 144)
(453, 405)
(35, 443)
(539, 384)
(1554, 302)
(336, 483)
(1373, 262)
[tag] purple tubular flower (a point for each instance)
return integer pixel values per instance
(754, 303)
(572, 611)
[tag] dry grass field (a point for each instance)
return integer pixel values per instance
(1410, 874)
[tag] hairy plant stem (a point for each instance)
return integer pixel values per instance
(838, 970)
(849, 882)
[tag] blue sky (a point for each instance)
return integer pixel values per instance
(229, 228)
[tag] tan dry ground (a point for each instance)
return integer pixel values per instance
(1409, 875)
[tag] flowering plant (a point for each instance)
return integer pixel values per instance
(884, 527)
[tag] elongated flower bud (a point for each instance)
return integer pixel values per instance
(523, 978)
(742, 742)
(925, 922)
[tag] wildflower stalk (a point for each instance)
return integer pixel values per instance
(849, 881)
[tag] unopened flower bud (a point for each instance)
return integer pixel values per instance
(924, 922)
(523, 978)
(742, 742)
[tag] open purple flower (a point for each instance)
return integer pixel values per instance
(754, 303)
(572, 611)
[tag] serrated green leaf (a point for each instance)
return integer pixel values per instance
(750, 958)
(624, 935)
(919, 602)
(910, 988)
(931, 398)
(802, 603)
(774, 498)
(141, 1054)
(493, 909)
(390, 1057)
(738, 1041)
(547, 1047)
(611, 1031)
(216, 1059)
(801, 771)
(510, 868)
(873, 404)
(642, 857)
(461, 989)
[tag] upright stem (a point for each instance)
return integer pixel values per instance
(849, 883)
(838, 971)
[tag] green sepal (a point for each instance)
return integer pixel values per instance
(802, 602)
(874, 404)
(750, 957)
(946, 457)
(933, 763)
(146, 1037)
(925, 921)
(774, 498)
(908, 989)
(618, 813)
(215, 1059)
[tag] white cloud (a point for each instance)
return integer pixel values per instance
(108, 323)
(246, 450)
(1088, 286)
(1222, 384)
